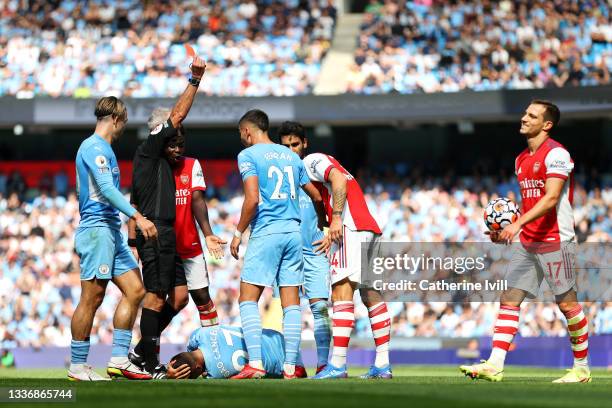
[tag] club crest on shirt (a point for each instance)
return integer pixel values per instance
(536, 167)
(104, 269)
(184, 178)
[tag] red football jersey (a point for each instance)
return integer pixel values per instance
(550, 160)
(188, 177)
(356, 214)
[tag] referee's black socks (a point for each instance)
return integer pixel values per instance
(149, 330)
(165, 316)
(163, 319)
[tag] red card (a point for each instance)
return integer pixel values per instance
(189, 50)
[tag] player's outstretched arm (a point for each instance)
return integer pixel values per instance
(200, 211)
(183, 105)
(553, 188)
(338, 184)
(249, 208)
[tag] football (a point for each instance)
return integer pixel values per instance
(499, 213)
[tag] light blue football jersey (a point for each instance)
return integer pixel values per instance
(310, 224)
(225, 352)
(98, 178)
(280, 174)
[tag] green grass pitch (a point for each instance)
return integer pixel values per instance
(413, 386)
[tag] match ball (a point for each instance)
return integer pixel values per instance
(500, 213)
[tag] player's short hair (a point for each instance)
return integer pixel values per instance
(187, 358)
(292, 128)
(110, 105)
(256, 117)
(158, 116)
(551, 113)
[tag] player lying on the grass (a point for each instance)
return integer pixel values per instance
(104, 255)
(545, 173)
(191, 272)
(351, 225)
(221, 352)
(316, 265)
(271, 175)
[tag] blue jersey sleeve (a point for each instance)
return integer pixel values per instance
(193, 341)
(98, 164)
(246, 165)
(303, 176)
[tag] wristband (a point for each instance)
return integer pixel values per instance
(132, 242)
(238, 234)
(336, 212)
(194, 81)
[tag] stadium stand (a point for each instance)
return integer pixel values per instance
(39, 279)
(440, 46)
(135, 49)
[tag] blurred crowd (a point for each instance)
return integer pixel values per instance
(39, 271)
(447, 46)
(131, 48)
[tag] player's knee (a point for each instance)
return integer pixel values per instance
(92, 299)
(566, 306)
(136, 295)
(154, 301)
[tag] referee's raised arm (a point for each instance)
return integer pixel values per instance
(182, 106)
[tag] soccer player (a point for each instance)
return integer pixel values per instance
(103, 253)
(271, 174)
(153, 194)
(316, 265)
(545, 175)
(221, 352)
(192, 275)
(351, 226)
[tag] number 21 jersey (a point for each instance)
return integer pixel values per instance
(280, 173)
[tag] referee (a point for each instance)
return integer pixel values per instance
(153, 194)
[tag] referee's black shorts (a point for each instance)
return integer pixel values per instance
(162, 268)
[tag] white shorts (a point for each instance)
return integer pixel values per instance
(196, 272)
(528, 269)
(346, 257)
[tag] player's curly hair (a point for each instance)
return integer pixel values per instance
(110, 106)
(292, 128)
(256, 117)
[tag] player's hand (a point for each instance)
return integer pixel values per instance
(494, 236)
(198, 66)
(214, 245)
(323, 245)
(179, 372)
(508, 233)
(335, 229)
(234, 247)
(146, 227)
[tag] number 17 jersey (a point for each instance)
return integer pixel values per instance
(280, 173)
(225, 352)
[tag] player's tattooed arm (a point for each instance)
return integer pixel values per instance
(183, 105)
(553, 188)
(200, 212)
(338, 184)
(249, 208)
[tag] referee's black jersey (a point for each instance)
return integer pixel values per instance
(153, 188)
